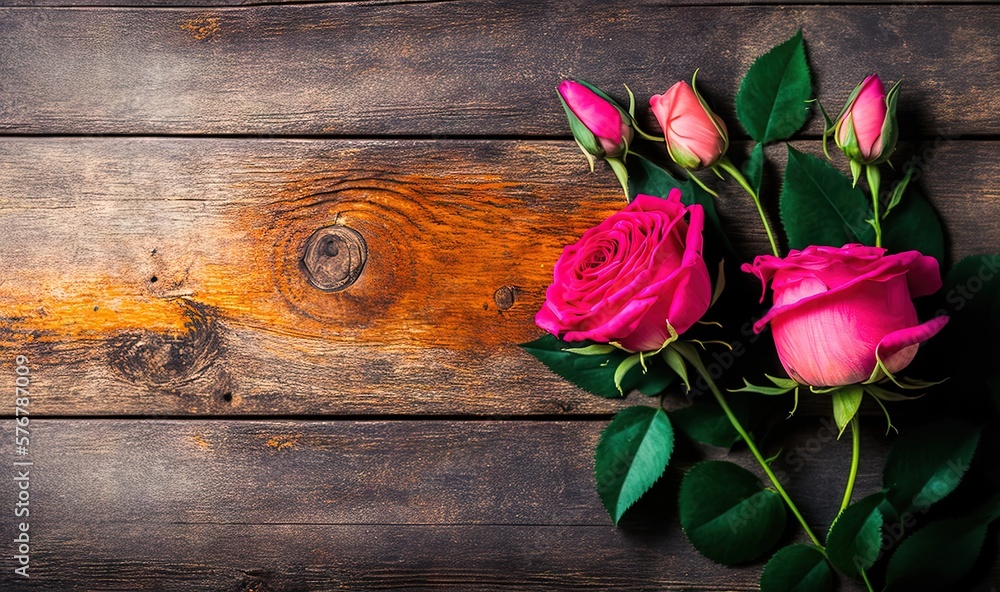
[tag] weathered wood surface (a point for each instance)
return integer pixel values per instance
(247, 3)
(163, 276)
(461, 235)
(460, 68)
(222, 505)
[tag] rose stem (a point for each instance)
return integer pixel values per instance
(855, 457)
(696, 363)
(727, 165)
(874, 178)
(868, 584)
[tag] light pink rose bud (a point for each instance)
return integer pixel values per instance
(631, 277)
(866, 129)
(606, 131)
(835, 309)
(696, 137)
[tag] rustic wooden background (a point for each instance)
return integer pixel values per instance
(206, 419)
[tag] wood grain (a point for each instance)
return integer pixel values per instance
(157, 276)
(245, 3)
(461, 68)
(227, 505)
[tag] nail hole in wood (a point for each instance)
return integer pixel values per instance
(505, 296)
(153, 279)
(228, 397)
(334, 258)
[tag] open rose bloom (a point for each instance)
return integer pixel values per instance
(835, 309)
(631, 276)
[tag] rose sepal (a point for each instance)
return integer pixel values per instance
(890, 127)
(782, 386)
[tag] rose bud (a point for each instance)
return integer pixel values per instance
(601, 128)
(636, 280)
(696, 138)
(837, 309)
(866, 129)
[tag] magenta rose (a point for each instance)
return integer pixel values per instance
(836, 308)
(631, 276)
(866, 130)
(611, 131)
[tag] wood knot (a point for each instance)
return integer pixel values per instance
(334, 258)
(166, 360)
(505, 296)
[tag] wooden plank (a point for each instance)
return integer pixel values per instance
(459, 68)
(231, 324)
(216, 505)
(244, 3)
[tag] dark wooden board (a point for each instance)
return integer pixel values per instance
(461, 68)
(216, 505)
(245, 3)
(231, 324)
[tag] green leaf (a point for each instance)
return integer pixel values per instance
(797, 568)
(927, 463)
(820, 207)
(936, 556)
(771, 104)
(704, 421)
(631, 455)
(855, 538)
(727, 515)
(753, 168)
(846, 403)
(899, 188)
(914, 226)
(594, 373)
(655, 381)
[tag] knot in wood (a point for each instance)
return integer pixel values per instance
(334, 258)
(504, 297)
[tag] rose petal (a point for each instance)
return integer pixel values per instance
(897, 343)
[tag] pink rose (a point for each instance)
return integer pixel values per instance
(866, 129)
(696, 137)
(630, 276)
(835, 309)
(611, 131)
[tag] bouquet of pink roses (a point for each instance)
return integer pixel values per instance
(858, 310)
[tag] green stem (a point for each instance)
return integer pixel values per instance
(874, 179)
(855, 458)
(702, 185)
(696, 363)
(864, 577)
(728, 166)
(646, 136)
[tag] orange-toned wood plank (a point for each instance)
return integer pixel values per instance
(461, 239)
